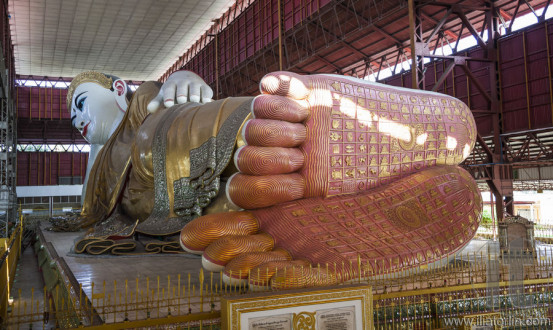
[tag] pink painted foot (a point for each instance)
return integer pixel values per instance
(419, 219)
(326, 135)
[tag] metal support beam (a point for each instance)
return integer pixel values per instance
(498, 175)
(444, 75)
(8, 161)
(416, 38)
(471, 28)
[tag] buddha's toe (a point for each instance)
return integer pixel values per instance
(223, 250)
(263, 161)
(238, 269)
(286, 84)
(295, 274)
(274, 133)
(252, 192)
(279, 108)
(199, 233)
(260, 276)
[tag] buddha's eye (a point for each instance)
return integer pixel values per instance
(80, 103)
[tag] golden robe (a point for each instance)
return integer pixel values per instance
(159, 171)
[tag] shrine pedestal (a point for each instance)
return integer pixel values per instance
(516, 234)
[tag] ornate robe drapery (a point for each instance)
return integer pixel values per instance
(159, 171)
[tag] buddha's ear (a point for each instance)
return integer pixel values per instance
(120, 90)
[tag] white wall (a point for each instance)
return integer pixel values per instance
(545, 201)
(45, 191)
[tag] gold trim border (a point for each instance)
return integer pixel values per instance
(232, 307)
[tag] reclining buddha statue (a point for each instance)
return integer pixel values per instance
(317, 170)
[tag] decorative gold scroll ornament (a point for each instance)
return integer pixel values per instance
(304, 321)
(84, 77)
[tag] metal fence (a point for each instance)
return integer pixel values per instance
(10, 251)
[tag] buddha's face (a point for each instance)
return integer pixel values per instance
(96, 111)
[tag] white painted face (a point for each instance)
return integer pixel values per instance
(96, 111)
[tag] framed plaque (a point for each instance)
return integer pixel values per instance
(342, 307)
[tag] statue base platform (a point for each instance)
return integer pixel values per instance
(105, 269)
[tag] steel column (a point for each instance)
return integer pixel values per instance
(417, 41)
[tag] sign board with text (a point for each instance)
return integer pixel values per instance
(342, 307)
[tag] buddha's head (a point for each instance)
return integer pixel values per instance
(97, 103)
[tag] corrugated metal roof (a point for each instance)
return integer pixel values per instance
(136, 39)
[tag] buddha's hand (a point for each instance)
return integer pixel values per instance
(181, 87)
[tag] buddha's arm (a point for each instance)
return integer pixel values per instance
(181, 153)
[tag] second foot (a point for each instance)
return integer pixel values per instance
(415, 220)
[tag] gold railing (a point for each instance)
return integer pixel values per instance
(9, 254)
(446, 307)
(421, 297)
